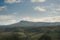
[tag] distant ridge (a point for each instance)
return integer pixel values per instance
(34, 24)
(29, 23)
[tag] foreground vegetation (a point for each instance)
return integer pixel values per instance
(30, 33)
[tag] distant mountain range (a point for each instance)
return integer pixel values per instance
(34, 24)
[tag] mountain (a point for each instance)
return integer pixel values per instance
(29, 23)
(34, 24)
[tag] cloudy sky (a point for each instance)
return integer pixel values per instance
(12, 11)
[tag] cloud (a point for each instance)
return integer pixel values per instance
(11, 22)
(37, 0)
(12, 1)
(54, 6)
(15, 13)
(3, 8)
(6, 17)
(58, 9)
(8, 22)
(41, 9)
(45, 19)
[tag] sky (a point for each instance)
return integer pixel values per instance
(13, 11)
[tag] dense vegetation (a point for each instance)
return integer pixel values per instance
(30, 33)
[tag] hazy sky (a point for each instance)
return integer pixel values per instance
(12, 11)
